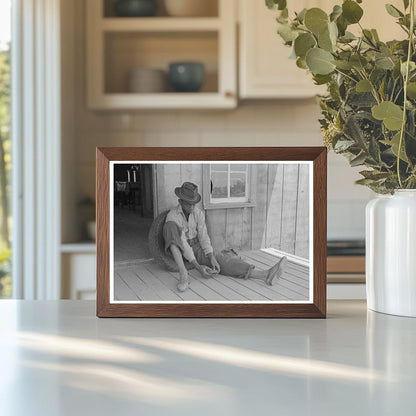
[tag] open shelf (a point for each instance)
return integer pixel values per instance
(118, 45)
(160, 24)
(210, 9)
(127, 51)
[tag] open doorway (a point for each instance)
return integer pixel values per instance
(133, 211)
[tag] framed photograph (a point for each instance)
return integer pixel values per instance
(211, 232)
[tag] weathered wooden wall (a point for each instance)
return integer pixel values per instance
(168, 177)
(280, 218)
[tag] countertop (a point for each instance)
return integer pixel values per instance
(57, 358)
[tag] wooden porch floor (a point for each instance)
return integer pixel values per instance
(148, 281)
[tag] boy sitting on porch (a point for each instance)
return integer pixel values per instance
(185, 234)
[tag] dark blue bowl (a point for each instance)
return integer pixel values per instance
(186, 76)
(135, 8)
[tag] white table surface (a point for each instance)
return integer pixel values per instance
(57, 358)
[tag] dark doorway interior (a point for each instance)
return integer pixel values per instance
(133, 211)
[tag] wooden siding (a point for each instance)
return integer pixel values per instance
(279, 219)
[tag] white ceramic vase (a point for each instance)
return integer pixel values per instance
(391, 253)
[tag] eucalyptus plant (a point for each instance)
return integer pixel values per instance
(369, 112)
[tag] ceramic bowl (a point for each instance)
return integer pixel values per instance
(186, 76)
(135, 8)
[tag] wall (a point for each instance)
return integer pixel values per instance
(278, 219)
(253, 123)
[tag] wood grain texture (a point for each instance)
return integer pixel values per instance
(317, 309)
(346, 264)
(289, 209)
(302, 214)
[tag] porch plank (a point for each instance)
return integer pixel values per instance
(283, 285)
(219, 286)
(122, 291)
(170, 280)
(295, 276)
(140, 288)
(149, 281)
(150, 273)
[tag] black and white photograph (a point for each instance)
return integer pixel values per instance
(211, 232)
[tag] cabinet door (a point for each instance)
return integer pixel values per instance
(78, 275)
(266, 71)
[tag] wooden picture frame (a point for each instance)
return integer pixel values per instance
(305, 278)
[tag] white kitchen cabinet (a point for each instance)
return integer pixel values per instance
(78, 271)
(117, 45)
(265, 69)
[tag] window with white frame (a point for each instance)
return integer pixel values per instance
(228, 184)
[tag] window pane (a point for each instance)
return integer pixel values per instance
(237, 185)
(221, 167)
(219, 184)
(5, 160)
(238, 167)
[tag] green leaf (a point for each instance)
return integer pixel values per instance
(351, 11)
(333, 32)
(301, 63)
(321, 79)
(358, 61)
(281, 19)
(393, 11)
(344, 65)
(276, 4)
(363, 86)
(347, 37)
(411, 90)
(396, 70)
(412, 67)
(384, 62)
(325, 42)
(368, 36)
(342, 25)
(374, 174)
(374, 150)
(375, 35)
(319, 61)
(353, 131)
(343, 145)
(287, 33)
(358, 160)
(406, 4)
(394, 145)
(303, 43)
(391, 114)
(362, 99)
(316, 20)
(301, 15)
(336, 12)
(382, 89)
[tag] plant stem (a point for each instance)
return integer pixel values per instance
(346, 75)
(406, 79)
(373, 88)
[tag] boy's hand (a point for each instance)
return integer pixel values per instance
(214, 263)
(206, 272)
